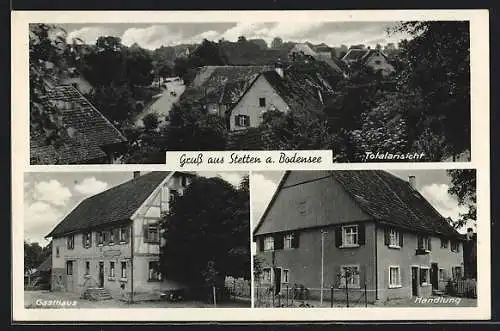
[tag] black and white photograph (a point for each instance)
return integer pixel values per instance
(365, 238)
(136, 240)
(370, 91)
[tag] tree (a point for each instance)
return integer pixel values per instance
(437, 62)
(50, 57)
(114, 101)
(277, 43)
(209, 227)
(463, 186)
(151, 121)
(138, 66)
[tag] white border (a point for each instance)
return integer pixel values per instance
(479, 28)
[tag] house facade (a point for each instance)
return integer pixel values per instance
(374, 59)
(112, 240)
(366, 229)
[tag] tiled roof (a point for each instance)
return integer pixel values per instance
(354, 54)
(222, 83)
(84, 128)
(300, 89)
(46, 265)
(115, 204)
(388, 198)
(384, 197)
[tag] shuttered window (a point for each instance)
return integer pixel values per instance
(151, 234)
(268, 243)
(393, 237)
(242, 120)
(124, 234)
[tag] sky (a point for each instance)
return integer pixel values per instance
(152, 36)
(49, 196)
(432, 184)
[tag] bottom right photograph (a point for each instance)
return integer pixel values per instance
(364, 238)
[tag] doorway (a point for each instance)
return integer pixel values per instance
(101, 274)
(277, 281)
(414, 281)
(434, 275)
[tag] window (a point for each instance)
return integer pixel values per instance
(268, 243)
(349, 274)
(69, 268)
(87, 267)
(424, 276)
(455, 246)
(87, 240)
(444, 243)
(394, 277)
(71, 242)
(441, 275)
(151, 234)
(350, 236)
(100, 238)
(262, 102)
(284, 274)
(124, 270)
(457, 272)
(288, 240)
(154, 270)
(242, 120)
(112, 235)
(394, 238)
(424, 243)
(124, 234)
(112, 269)
(57, 251)
(266, 275)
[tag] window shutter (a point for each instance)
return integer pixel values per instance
(106, 237)
(117, 235)
(420, 242)
(429, 240)
(145, 233)
(401, 236)
(338, 236)
(295, 240)
(84, 236)
(387, 239)
(278, 241)
(361, 231)
(236, 120)
(127, 229)
(338, 276)
(247, 120)
(261, 244)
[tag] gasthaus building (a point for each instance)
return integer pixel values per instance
(378, 231)
(109, 244)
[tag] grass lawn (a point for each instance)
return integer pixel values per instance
(35, 299)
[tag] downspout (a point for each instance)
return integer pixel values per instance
(132, 263)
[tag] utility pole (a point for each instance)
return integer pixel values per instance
(323, 232)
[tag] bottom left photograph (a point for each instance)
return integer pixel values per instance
(136, 239)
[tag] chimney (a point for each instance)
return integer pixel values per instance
(412, 182)
(136, 174)
(278, 67)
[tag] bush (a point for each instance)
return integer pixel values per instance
(151, 121)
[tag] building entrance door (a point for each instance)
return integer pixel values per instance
(101, 274)
(414, 281)
(277, 280)
(434, 275)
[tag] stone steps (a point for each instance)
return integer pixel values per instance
(97, 294)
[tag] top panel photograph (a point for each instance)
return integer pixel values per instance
(125, 93)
